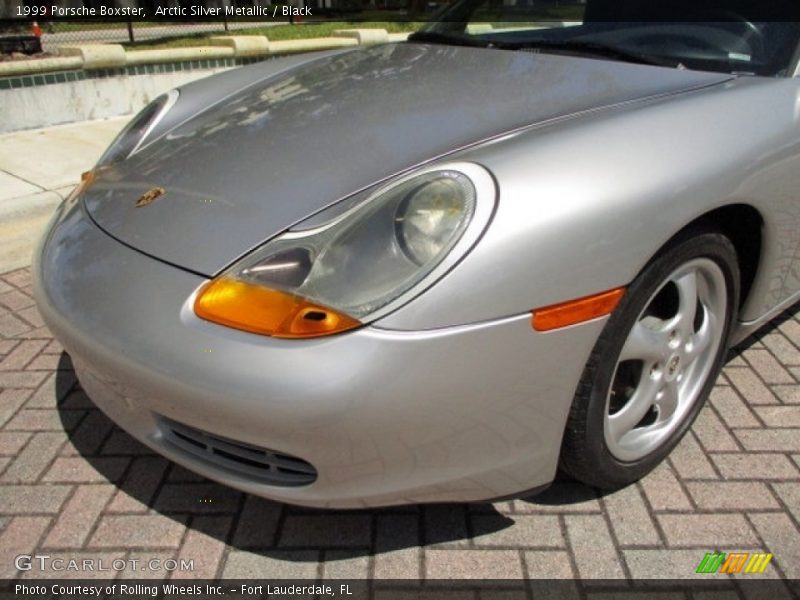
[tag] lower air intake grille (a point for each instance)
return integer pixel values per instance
(266, 466)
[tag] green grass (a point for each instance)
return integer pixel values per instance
(326, 29)
(278, 32)
(62, 27)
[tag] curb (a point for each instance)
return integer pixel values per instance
(109, 56)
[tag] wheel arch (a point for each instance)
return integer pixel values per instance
(743, 224)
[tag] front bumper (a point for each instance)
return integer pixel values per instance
(385, 417)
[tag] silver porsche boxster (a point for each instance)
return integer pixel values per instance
(445, 269)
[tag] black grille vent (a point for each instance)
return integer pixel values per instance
(266, 466)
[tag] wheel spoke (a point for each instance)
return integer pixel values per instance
(635, 409)
(702, 339)
(687, 304)
(644, 343)
(667, 401)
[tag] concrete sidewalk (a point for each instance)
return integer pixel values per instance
(38, 169)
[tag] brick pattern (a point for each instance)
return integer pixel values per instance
(73, 484)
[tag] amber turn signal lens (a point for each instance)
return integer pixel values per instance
(576, 311)
(87, 178)
(267, 311)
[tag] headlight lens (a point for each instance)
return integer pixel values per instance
(337, 276)
(431, 216)
(131, 138)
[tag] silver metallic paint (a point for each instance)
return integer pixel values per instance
(585, 204)
(349, 404)
(393, 412)
(209, 92)
(273, 154)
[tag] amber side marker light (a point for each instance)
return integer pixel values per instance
(267, 311)
(87, 178)
(572, 312)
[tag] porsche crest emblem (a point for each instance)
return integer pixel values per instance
(150, 196)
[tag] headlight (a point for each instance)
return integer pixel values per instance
(361, 264)
(131, 138)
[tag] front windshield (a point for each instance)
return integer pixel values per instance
(733, 36)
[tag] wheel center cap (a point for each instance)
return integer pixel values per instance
(673, 367)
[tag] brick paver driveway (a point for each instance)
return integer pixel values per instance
(73, 485)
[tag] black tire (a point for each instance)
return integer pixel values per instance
(585, 453)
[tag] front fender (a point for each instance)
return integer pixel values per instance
(585, 203)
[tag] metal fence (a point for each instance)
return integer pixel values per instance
(76, 32)
(46, 18)
(54, 30)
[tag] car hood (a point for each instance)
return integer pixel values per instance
(271, 154)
